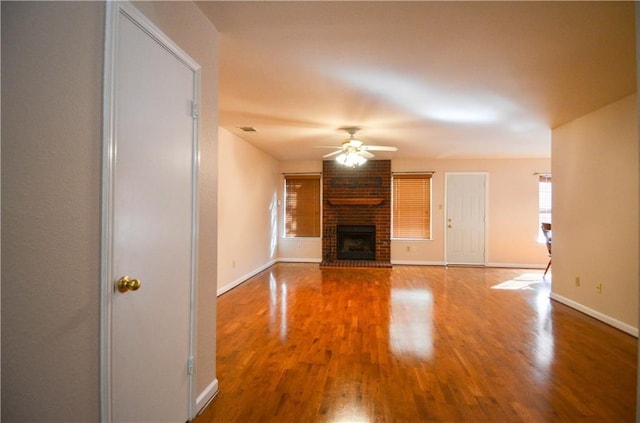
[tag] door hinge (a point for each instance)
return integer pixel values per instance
(190, 366)
(195, 110)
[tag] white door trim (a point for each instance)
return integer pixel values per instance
(486, 212)
(114, 11)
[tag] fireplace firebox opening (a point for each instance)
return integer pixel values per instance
(356, 242)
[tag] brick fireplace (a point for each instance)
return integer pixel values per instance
(358, 200)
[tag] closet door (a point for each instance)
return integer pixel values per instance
(152, 237)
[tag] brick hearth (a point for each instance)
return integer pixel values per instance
(356, 263)
(356, 196)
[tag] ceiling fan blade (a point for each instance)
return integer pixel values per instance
(333, 154)
(365, 154)
(325, 146)
(379, 148)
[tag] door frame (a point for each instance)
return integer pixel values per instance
(115, 11)
(446, 213)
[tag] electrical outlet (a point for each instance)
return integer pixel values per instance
(577, 280)
(599, 288)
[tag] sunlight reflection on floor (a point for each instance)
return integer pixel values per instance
(523, 281)
(352, 416)
(410, 329)
(543, 330)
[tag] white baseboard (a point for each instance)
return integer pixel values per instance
(442, 263)
(243, 278)
(299, 260)
(596, 314)
(517, 265)
(206, 396)
(417, 263)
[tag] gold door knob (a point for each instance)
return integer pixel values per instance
(127, 284)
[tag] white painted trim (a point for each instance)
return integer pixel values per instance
(417, 263)
(195, 236)
(518, 265)
(298, 260)
(243, 278)
(596, 314)
(442, 263)
(206, 396)
(114, 11)
(106, 259)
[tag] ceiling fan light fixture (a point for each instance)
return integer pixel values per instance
(350, 159)
(353, 152)
(352, 142)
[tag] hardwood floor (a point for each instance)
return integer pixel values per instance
(301, 344)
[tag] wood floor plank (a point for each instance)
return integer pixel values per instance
(297, 343)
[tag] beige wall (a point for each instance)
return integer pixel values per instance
(247, 216)
(51, 171)
(52, 56)
(595, 222)
(512, 212)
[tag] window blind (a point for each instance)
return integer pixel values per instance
(302, 205)
(544, 198)
(412, 206)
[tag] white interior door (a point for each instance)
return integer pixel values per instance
(465, 218)
(152, 226)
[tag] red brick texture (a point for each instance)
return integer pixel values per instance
(371, 180)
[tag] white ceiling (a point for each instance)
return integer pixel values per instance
(435, 79)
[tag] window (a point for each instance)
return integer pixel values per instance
(544, 202)
(302, 205)
(412, 206)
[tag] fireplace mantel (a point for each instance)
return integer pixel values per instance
(368, 201)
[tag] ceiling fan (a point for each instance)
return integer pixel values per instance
(353, 152)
